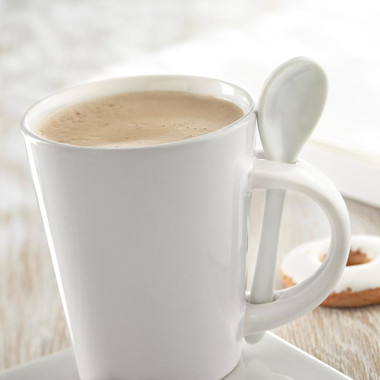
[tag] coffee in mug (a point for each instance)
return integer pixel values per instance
(139, 118)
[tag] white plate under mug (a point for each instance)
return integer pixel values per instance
(271, 359)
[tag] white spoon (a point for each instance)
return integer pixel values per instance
(289, 108)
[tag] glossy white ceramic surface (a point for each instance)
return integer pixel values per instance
(271, 359)
(148, 243)
(290, 104)
(289, 107)
(293, 302)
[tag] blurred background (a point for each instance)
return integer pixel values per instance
(48, 45)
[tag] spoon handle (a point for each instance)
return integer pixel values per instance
(263, 280)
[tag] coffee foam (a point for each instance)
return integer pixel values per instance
(138, 119)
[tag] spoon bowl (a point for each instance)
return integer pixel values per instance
(289, 108)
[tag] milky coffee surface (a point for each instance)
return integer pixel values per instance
(138, 119)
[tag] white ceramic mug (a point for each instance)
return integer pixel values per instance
(149, 243)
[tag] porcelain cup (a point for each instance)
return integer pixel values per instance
(149, 243)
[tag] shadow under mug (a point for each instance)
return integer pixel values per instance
(149, 243)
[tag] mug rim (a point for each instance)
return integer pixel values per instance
(27, 130)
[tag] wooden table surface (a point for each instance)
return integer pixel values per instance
(40, 54)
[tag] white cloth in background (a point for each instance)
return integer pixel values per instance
(343, 36)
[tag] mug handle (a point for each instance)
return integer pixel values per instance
(289, 304)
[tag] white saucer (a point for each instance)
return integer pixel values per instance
(271, 359)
